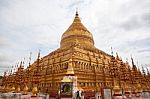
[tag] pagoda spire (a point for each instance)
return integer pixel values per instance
(148, 73)
(21, 64)
(132, 60)
(143, 71)
(30, 58)
(117, 57)
(5, 73)
(127, 61)
(77, 19)
(111, 51)
(39, 54)
(77, 12)
(120, 58)
(133, 65)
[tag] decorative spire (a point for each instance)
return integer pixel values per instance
(133, 65)
(38, 61)
(137, 63)
(14, 68)
(77, 21)
(111, 51)
(132, 61)
(120, 58)
(5, 73)
(21, 64)
(39, 54)
(139, 71)
(127, 61)
(147, 71)
(17, 64)
(77, 13)
(30, 58)
(117, 57)
(143, 71)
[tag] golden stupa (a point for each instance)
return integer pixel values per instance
(78, 32)
(77, 56)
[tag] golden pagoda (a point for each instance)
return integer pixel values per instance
(77, 56)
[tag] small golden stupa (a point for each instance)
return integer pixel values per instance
(116, 88)
(25, 90)
(127, 88)
(139, 88)
(13, 89)
(18, 89)
(34, 91)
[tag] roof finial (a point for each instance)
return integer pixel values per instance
(133, 65)
(23, 62)
(30, 58)
(147, 69)
(127, 60)
(132, 60)
(117, 57)
(77, 12)
(111, 51)
(143, 71)
(39, 54)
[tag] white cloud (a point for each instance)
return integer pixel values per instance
(30, 25)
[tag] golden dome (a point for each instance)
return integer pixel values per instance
(77, 32)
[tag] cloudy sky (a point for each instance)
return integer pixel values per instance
(29, 25)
